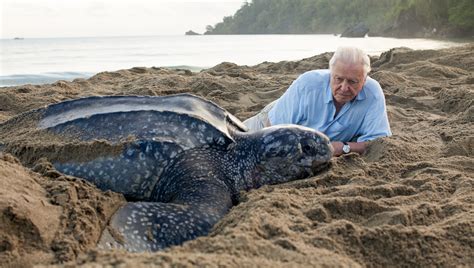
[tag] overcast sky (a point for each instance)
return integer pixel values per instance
(78, 18)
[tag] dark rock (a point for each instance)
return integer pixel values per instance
(374, 34)
(359, 30)
(191, 33)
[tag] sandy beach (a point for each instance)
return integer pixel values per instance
(408, 201)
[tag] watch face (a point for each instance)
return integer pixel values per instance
(346, 148)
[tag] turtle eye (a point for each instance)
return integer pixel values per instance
(306, 148)
(309, 146)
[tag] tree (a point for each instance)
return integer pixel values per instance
(331, 16)
(461, 13)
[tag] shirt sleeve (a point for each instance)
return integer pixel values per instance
(289, 107)
(375, 123)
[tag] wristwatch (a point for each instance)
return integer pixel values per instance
(346, 148)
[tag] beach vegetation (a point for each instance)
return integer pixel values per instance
(333, 16)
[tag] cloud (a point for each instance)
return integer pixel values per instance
(67, 18)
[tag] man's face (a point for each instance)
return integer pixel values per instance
(347, 81)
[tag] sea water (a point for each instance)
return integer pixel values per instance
(45, 60)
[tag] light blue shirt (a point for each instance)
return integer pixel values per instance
(309, 102)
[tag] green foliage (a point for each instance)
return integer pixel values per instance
(461, 13)
(330, 16)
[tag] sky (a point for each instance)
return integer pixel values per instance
(83, 18)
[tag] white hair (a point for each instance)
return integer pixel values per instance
(351, 55)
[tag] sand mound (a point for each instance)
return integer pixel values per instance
(46, 217)
(407, 202)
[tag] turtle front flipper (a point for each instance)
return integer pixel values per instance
(131, 167)
(152, 226)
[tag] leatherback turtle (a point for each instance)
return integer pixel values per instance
(180, 160)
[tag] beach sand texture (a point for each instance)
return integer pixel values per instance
(409, 201)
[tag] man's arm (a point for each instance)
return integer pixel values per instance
(375, 124)
(291, 107)
(358, 147)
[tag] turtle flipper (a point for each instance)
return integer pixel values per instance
(152, 226)
(133, 170)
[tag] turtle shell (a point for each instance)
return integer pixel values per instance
(179, 118)
(120, 143)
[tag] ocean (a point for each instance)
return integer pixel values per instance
(45, 60)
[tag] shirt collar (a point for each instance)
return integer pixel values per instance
(328, 97)
(361, 95)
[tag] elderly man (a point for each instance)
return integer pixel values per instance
(342, 102)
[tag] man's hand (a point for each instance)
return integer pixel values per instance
(357, 147)
(337, 145)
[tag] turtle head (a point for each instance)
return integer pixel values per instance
(290, 152)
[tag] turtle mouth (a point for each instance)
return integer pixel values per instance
(319, 167)
(316, 167)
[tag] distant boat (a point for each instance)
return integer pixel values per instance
(18, 38)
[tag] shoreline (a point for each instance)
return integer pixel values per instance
(466, 38)
(22, 65)
(406, 202)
